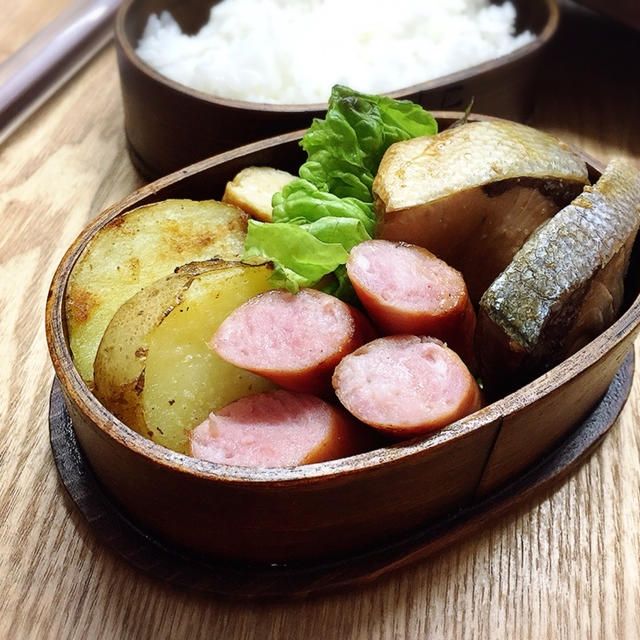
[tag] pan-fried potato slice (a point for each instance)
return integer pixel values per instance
(136, 249)
(120, 361)
(252, 190)
(154, 370)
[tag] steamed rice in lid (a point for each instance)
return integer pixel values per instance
(294, 51)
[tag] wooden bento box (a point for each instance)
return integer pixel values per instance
(185, 125)
(333, 509)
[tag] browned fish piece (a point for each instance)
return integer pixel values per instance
(564, 286)
(473, 194)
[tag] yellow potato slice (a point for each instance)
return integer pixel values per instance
(252, 190)
(133, 251)
(154, 369)
(120, 361)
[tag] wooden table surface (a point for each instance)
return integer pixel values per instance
(565, 565)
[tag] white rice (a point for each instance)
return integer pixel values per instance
(294, 51)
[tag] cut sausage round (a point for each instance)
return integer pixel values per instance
(406, 385)
(294, 340)
(407, 289)
(278, 429)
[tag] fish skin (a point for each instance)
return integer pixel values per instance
(528, 315)
(428, 168)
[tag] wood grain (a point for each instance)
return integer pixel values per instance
(564, 566)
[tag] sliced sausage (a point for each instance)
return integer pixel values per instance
(294, 340)
(406, 385)
(278, 429)
(406, 289)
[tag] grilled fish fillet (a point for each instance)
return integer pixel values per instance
(474, 193)
(564, 286)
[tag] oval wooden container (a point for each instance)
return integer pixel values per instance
(169, 126)
(334, 508)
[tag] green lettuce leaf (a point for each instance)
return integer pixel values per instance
(319, 217)
(302, 202)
